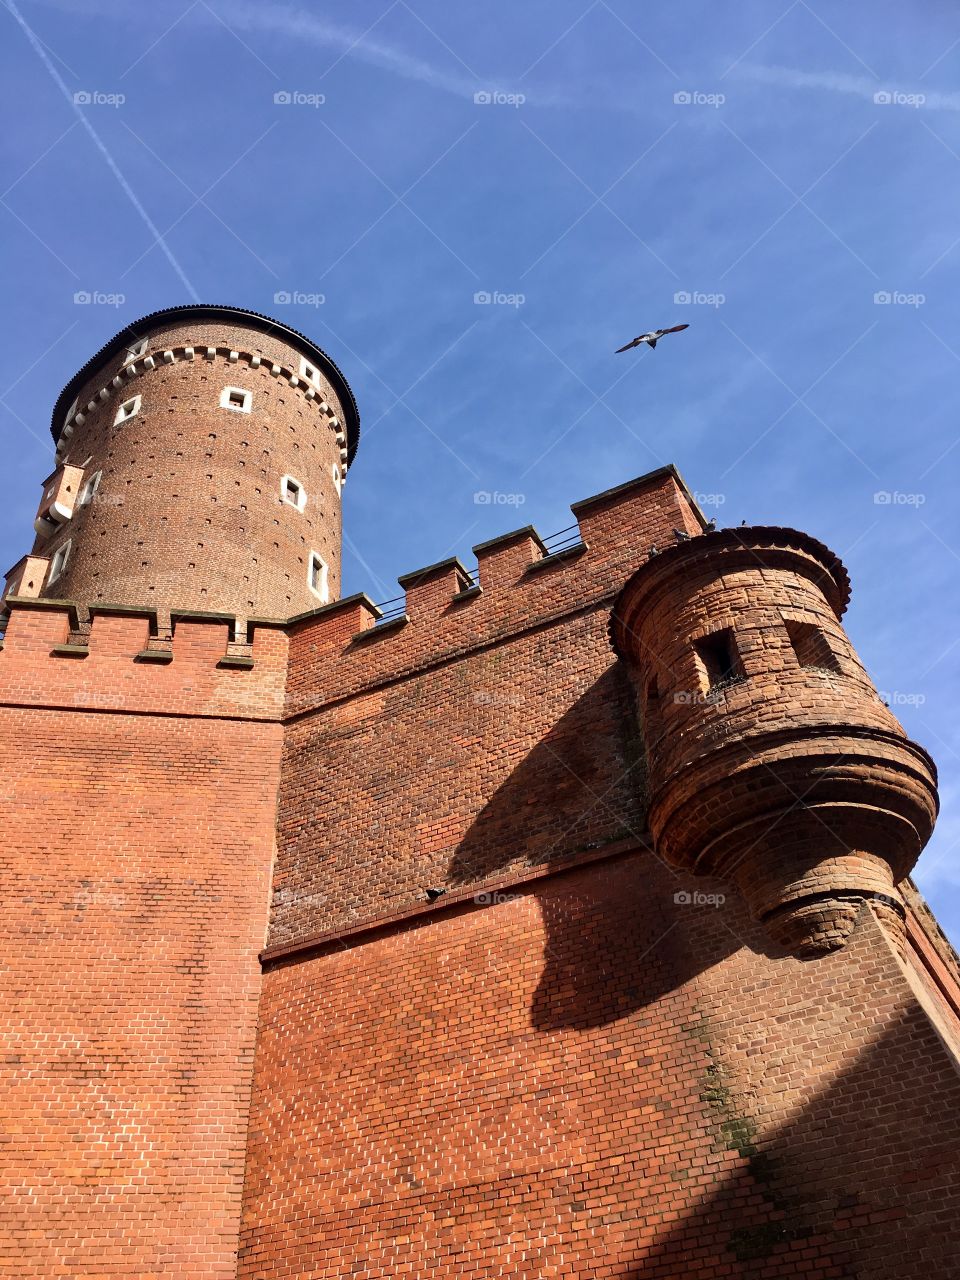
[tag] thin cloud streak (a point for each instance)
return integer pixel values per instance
(859, 86)
(101, 147)
(302, 25)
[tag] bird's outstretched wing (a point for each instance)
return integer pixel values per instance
(651, 338)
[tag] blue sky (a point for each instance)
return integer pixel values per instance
(783, 177)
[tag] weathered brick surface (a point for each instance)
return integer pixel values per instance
(138, 807)
(512, 757)
(489, 734)
(575, 1064)
(188, 513)
(783, 771)
(591, 1079)
(111, 675)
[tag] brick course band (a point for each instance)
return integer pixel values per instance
(137, 368)
(239, 318)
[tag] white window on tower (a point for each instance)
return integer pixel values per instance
(59, 562)
(309, 371)
(318, 577)
(135, 351)
(237, 399)
(337, 477)
(89, 488)
(293, 492)
(129, 409)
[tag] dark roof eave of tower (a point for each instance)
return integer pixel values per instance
(206, 311)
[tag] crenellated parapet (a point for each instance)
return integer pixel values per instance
(519, 585)
(772, 760)
(128, 659)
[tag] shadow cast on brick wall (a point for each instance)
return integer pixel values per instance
(579, 789)
(863, 1182)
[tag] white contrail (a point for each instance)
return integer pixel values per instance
(125, 185)
(859, 86)
(300, 24)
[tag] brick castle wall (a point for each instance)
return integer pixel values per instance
(561, 1068)
(139, 805)
(581, 1077)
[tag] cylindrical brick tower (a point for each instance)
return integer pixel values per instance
(201, 456)
(772, 761)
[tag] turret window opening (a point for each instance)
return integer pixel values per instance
(237, 399)
(89, 488)
(811, 647)
(136, 351)
(318, 577)
(719, 660)
(308, 371)
(293, 492)
(129, 409)
(59, 562)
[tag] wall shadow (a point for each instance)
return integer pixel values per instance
(863, 1183)
(579, 789)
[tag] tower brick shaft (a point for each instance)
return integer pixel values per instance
(773, 762)
(201, 453)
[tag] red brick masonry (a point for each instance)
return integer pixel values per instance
(579, 1062)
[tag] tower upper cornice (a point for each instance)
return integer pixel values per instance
(205, 312)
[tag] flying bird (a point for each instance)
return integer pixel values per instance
(651, 338)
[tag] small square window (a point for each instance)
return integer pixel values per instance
(129, 409)
(136, 351)
(89, 488)
(236, 398)
(59, 562)
(310, 372)
(293, 492)
(318, 577)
